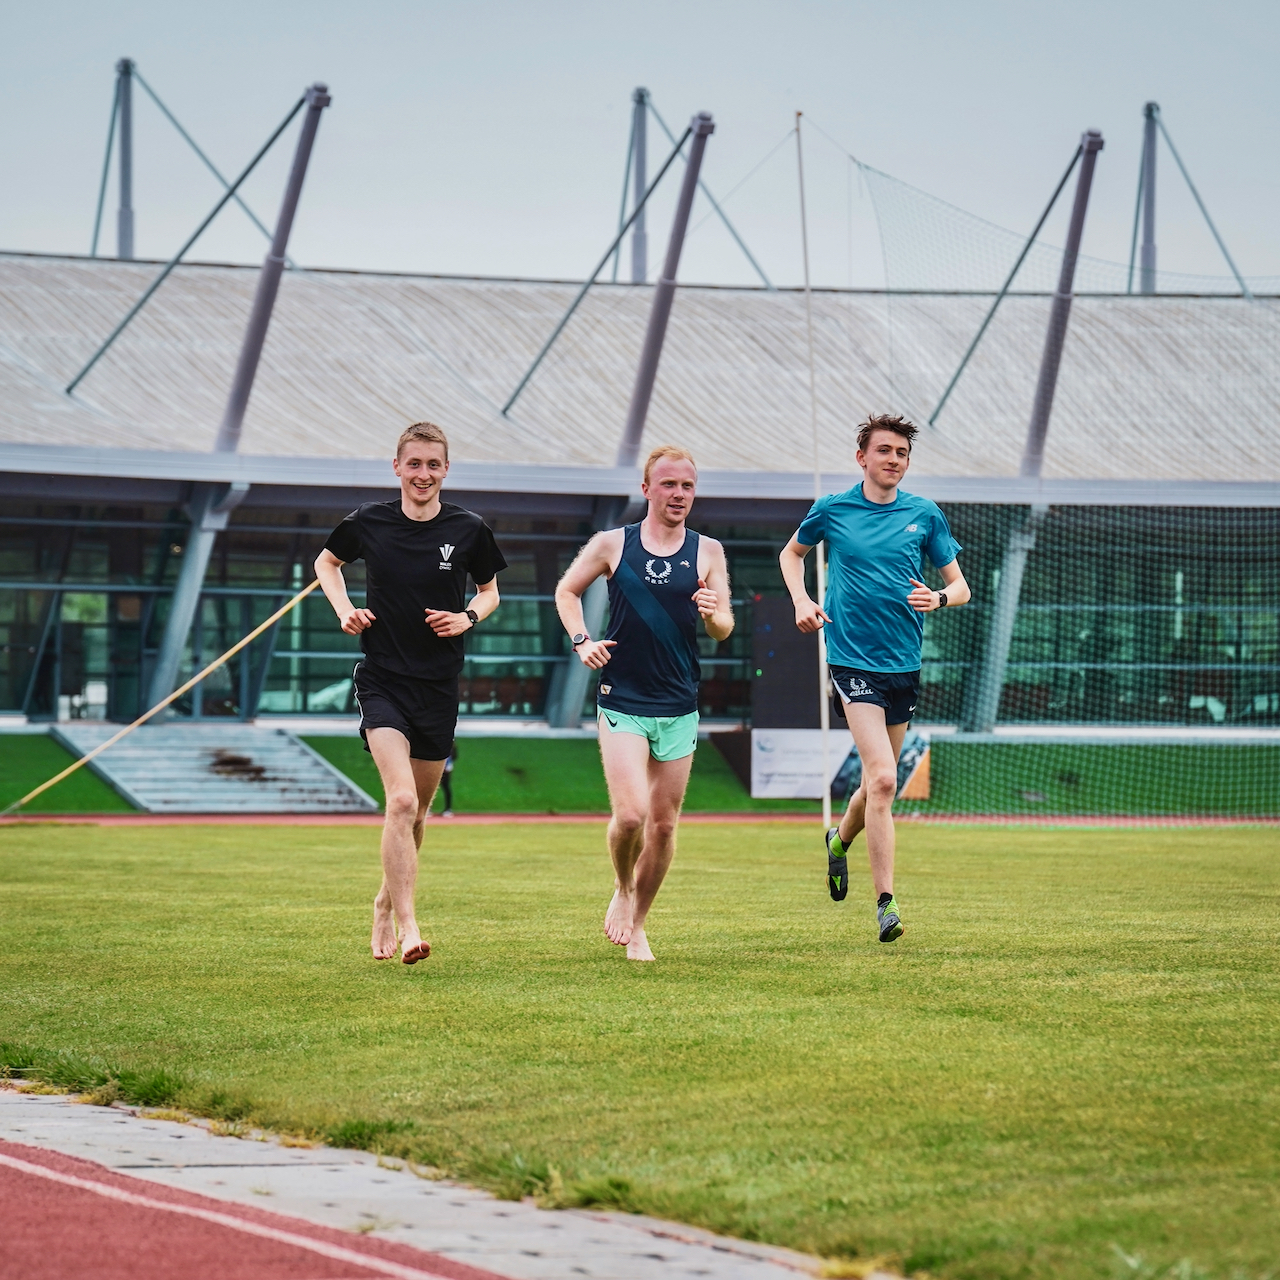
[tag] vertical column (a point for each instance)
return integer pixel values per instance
(639, 237)
(124, 216)
(1147, 278)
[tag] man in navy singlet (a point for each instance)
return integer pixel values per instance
(877, 540)
(662, 579)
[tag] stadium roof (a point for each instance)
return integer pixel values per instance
(1157, 395)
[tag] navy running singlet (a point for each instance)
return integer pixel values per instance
(653, 670)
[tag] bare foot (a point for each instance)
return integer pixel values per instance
(384, 931)
(414, 948)
(638, 947)
(617, 920)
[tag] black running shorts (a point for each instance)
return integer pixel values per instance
(425, 711)
(896, 691)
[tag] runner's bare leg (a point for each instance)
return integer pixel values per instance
(409, 786)
(871, 805)
(668, 780)
(626, 771)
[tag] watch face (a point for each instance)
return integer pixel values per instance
(579, 638)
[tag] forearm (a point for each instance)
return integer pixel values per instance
(719, 625)
(569, 607)
(485, 601)
(792, 566)
(334, 586)
(955, 586)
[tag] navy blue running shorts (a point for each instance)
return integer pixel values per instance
(425, 711)
(896, 691)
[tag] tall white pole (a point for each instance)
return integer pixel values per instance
(824, 697)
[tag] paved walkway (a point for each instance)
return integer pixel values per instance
(349, 1215)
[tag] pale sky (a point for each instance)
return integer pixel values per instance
(488, 136)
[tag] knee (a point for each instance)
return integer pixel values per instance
(402, 804)
(881, 785)
(629, 822)
(662, 826)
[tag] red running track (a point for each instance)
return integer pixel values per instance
(69, 1217)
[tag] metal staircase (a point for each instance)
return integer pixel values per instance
(216, 768)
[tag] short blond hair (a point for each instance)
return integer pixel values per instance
(428, 432)
(667, 451)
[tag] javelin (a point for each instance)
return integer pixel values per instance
(160, 706)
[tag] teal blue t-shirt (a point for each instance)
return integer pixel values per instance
(873, 551)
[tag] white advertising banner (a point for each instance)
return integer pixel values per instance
(786, 764)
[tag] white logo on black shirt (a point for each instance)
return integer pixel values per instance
(446, 552)
(657, 577)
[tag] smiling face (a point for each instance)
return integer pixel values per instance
(422, 467)
(886, 458)
(670, 490)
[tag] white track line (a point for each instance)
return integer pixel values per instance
(333, 1251)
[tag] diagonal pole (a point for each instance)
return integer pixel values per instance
(173, 262)
(106, 170)
(1004, 288)
(724, 217)
(209, 510)
(160, 706)
(204, 159)
(1244, 288)
(664, 293)
(591, 279)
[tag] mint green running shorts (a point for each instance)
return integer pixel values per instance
(670, 737)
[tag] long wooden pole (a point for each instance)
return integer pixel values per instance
(160, 706)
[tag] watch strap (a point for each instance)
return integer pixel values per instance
(475, 617)
(942, 599)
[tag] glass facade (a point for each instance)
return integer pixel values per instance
(1128, 615)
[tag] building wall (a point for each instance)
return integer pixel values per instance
(1128, 615)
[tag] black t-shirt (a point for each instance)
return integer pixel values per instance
(412, 566)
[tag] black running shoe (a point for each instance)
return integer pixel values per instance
(837, 868)
(889, 921)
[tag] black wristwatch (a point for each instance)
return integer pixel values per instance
(942, 599)
(475, 617)
(580, 638)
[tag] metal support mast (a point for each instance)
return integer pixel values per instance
(124, 216)
(986, 701)
(639, 236)
(211, 505)
(1147, 277)
(701, 127)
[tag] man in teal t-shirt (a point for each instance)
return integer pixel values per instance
(877, 539)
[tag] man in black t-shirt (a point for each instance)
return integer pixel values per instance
(418, 553)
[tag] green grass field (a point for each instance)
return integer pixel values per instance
(28, 759)
(1072, 1051)
(550, 775)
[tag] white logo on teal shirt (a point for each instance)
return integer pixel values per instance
(657, 578)
(911, 528)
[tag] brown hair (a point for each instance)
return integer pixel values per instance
(425, 431)
(887, 422)
(666, 451)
